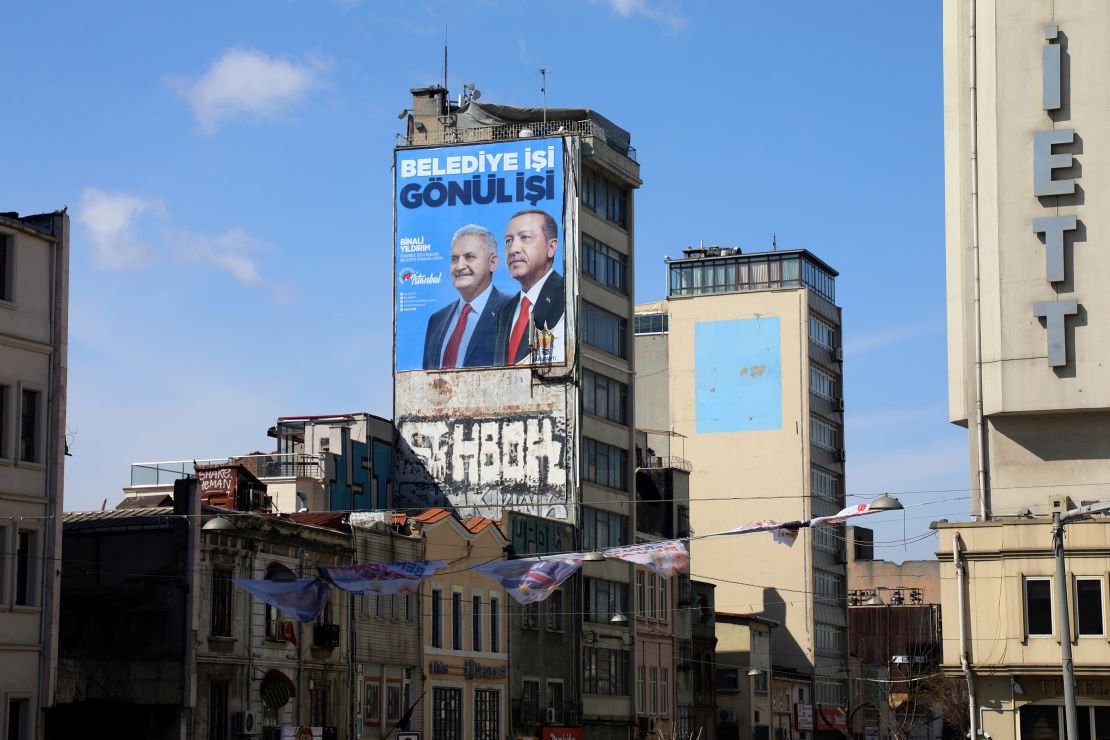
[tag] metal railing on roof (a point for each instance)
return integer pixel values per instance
(453, 135)
(272, 465)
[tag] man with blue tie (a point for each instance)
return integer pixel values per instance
(462, 333)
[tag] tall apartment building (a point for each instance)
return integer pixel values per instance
(523, 217)
(34, 329)
(1027, 154)
(739, 371)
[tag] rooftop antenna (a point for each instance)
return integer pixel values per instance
(543, 89)
(445, 59)
(774, 242)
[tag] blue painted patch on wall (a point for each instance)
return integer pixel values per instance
(738, 375)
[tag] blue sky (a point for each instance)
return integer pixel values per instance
(227, 169)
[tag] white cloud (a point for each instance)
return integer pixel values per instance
(248, 83)
(230, 251)
(110, 220)
(666, 14)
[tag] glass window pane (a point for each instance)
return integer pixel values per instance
(1038, 606)
(1088, 606)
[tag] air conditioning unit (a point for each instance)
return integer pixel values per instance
(242, 723)
(839, 404)
(549, 715)
(838, 354)
(726, 715)
(841, 455)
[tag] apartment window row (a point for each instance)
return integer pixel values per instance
(547, 614)
(532, 701)
(651, 596)
(823, 383)
(824, 433)
(605, 397)
(820, 281)
(653, 689)
(828, 586)
(604, 464)
(605, 671)
(1089, 606)
(831, 693)
(605, 330)
(29, 439)
(604, 599)
(829, 639)
(397, 607)
(734, 274)
(485, 620)
(397, 698)
(825, 484)
(651, 323)
(822, 333)
(828, 537)
(25, 545)
(606, 198)
(604, 264)
(7, 267)
(602, 529)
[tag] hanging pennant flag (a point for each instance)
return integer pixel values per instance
(302, 599)
(848, 513)
(665, 558)
(371, 579)
(529, 580)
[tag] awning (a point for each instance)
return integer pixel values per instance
(277, 689)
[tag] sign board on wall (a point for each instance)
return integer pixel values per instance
(562, 733)
(803, 716)
(479, 230)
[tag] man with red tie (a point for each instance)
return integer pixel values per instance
(531, 240)
(462, 333)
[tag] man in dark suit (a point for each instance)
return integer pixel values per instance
(462, 333)
(537, 311)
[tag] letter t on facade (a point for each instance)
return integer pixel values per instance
(1053, 312)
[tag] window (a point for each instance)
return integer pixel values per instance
(604, 464)
(604, 264)
(606, 671)
(554, 604)
(494, 624)
(221, 602)
(446, 713)
(5, 395)
(530, 616)
(653, 689)
(822, 383)
(218, 726)
(410, 608)
(760, 682)
(604, 599)
(1040, 721)
(602, 529)
(650, 612)
(1088, 607)
(487, 714)
(605, 198)
(829, 639)
(437, 617)
(664, 604)
(831, 693)
(651, 323)
(825, 484)
(26, 547)
(555, 698)
(457, 620)
(476, 624)
(641, 687)
(728, 679)
(822, 333)
(7, 258)
(1038, 607)
(372, 709)
(828, 587)
(824, 433)
(393, 701)
(379, 606)
(828, 537)
(602, 396)
(530, 701)
(665, 691)
(641, 594)
(395, 607)
(29, 432)
(605, 330)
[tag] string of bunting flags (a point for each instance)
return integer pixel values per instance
(526, 580)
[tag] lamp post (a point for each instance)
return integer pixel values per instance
(1067, 668)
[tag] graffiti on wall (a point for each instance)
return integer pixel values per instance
(484, 466)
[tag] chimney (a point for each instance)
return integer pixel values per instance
(184, 490)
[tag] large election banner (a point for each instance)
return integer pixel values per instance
(480, 255)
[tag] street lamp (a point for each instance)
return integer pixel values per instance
(886, 502)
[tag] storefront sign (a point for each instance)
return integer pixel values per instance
(803, 716)
(831, 718)
(474, 669)
(437, 668)
(562, 733)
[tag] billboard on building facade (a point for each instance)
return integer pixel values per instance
(479, 251)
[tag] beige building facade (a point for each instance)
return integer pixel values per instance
(1027, 169)
(34, 301)
(741, 370)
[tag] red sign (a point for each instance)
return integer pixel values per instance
(831, 718)
(217, 484)
(562, 733)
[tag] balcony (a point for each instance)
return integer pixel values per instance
(275, 465)
(507, 132)
(672, 462)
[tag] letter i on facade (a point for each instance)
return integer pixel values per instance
(1050, 68)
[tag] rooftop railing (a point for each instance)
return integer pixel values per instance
(273, 465)
(479, 134)
(677, 463)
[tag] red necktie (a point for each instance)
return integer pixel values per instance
(518, 329)
(451, 352)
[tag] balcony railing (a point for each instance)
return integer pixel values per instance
(478, 134)
(276, 465)
(677, 463)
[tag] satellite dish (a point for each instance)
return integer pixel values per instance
(476, 94)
